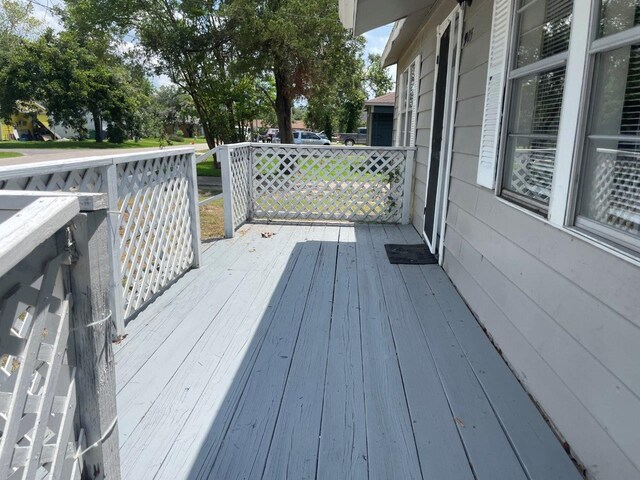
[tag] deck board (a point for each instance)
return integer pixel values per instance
(245, 446)
(150, 442)
(343, 438)
(199, 439)
(307, 355)
(294, 445)
(391, 445)
(531, 437)
(440, 448)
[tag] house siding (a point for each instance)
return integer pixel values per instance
(564, 312)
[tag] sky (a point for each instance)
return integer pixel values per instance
(375, 39)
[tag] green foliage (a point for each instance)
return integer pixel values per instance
(239, 60)
(339, 102)
(115, 133)
(299, 42)
(73, 76)
(377, 79)
(190, 42)
(16, 22)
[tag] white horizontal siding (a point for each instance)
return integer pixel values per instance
(564, 312)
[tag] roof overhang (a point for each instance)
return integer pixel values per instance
(363, 15)
(403, 33)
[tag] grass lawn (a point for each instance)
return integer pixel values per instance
(211, 220)
(10, 154)
(72, 144)
(206, 169)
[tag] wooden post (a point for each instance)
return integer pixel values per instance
(90, 280)
(194, 207)
(410, 157)
(250, 185)
(227, 190)
(110, 187)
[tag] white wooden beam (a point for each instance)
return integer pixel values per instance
(569, 132)
(31, 226)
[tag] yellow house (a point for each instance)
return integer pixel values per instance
(32, 119)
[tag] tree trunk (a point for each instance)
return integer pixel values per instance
(97, 125)
(283, 106)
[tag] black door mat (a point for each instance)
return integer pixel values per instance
(409, 254)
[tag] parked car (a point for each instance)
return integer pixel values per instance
(306, 138)
(269, 135)
(350, 139)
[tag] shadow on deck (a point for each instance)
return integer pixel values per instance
(308, 355)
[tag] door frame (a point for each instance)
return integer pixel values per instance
(448, 124)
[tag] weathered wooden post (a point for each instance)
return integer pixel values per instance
(227, 189)
(194, 207)
(92, 324)
(110, 187)
(410, 158)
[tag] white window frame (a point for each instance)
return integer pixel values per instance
(403, 100)
(592, 47)
(511, 76)
(580, 58)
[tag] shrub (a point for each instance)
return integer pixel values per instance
(115, 134)
(176, 138)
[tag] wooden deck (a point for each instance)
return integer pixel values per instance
(307, 355)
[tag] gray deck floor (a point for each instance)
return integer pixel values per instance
(308, 355)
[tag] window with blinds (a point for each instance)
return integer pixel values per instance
(536, 84)
(609, 198)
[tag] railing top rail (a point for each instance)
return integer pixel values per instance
(214, 151)
(28, 227)
(52, 166)
(327, 147)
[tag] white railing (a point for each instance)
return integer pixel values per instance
(57, 381)
(267, 182)
(153, 215)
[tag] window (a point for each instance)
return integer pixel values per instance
(568, 139)
(609, 194)
(406, 121)
(536, 82)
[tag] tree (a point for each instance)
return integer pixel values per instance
(338, 103)
(190, 42)
(71, 79)
(378, 79)
(173, 106)
(17, 21)
(294, 40)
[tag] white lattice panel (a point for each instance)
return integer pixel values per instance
(87, 180)
(615, 196)
(155, 226)
(330, 184)
(37, 390)
(240, 166)
(154, 218)
(532, 173)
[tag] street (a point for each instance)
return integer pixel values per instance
(37, 155)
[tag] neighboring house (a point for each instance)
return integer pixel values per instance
(380, 120)
(67, 132)
(31, 120)
(298, 125)
(526, 121)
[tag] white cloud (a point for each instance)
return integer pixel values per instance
(161, 81)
